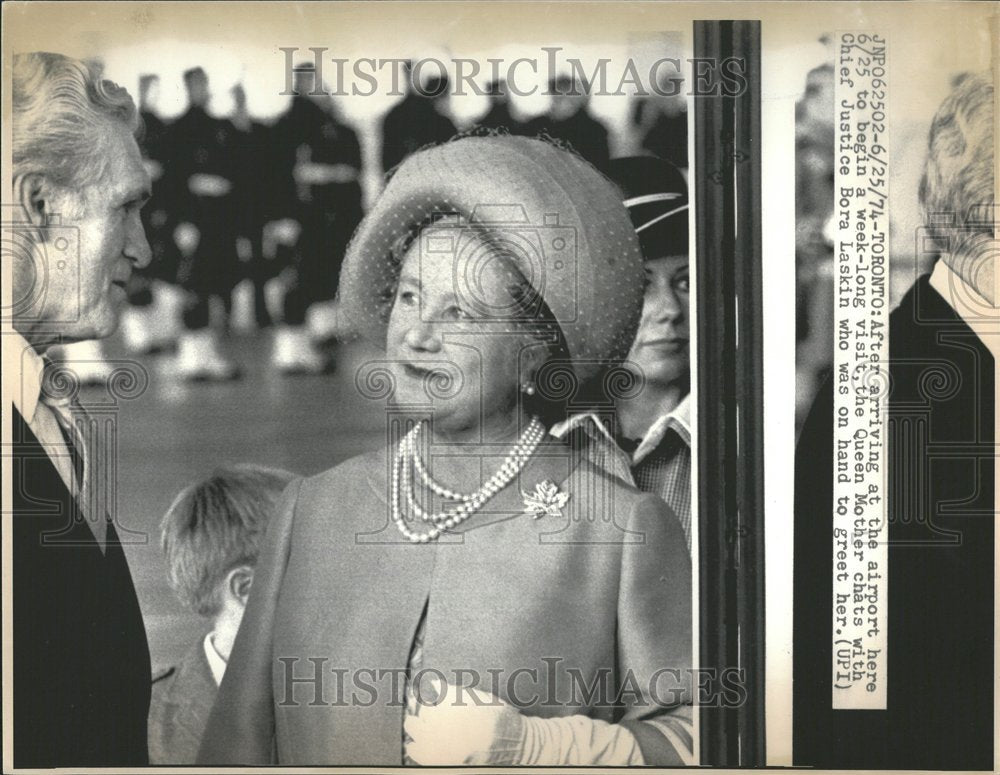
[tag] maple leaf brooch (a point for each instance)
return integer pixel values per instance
(545, 501)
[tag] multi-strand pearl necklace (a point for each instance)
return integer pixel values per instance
(408, 459)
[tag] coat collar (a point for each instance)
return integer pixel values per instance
(22, 374)
(677, 420)
(977, 313)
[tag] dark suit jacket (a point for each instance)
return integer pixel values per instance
(603, 589)
(940, 587)
(182, 700)
(81, 661)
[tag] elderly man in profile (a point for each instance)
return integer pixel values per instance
(80, 656)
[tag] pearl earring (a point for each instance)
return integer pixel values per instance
(528, 389)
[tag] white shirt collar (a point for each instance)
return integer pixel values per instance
(981, 316)
(215, 661)
(589, 421)
(679, 420)
(22, 374)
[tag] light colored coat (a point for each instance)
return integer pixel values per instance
(605, 587)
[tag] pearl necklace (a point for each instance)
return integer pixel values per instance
(408, 458)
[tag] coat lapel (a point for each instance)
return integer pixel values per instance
(45, 494)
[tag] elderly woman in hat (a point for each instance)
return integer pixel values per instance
(477, 592)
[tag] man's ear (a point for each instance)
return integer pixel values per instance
(238, 582)
(34, 194)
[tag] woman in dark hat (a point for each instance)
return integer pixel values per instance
(476, 592)
(647, 439)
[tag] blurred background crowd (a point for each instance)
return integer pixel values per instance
(253, 206)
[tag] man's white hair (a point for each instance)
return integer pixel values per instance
(956, 191)
(61, 110)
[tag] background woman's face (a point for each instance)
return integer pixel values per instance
(450, 336)
(661, 345)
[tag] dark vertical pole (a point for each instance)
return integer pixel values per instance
(730, 387)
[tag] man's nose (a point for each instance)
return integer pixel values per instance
(137, 248)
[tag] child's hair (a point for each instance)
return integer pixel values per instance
(216, 525)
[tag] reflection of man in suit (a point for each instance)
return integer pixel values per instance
(211, 537)
(943, 340)
(80, 659)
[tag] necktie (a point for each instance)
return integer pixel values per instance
(73, 423)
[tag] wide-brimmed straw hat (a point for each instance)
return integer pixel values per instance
(560, 220)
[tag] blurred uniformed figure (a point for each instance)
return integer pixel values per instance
(420, 119)
(254, 186)
(569, 119)
(153, 320)
(202, 173)
(316, 208)
(211, 536)
(500, 114)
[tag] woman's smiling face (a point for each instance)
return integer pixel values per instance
(453, 336)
